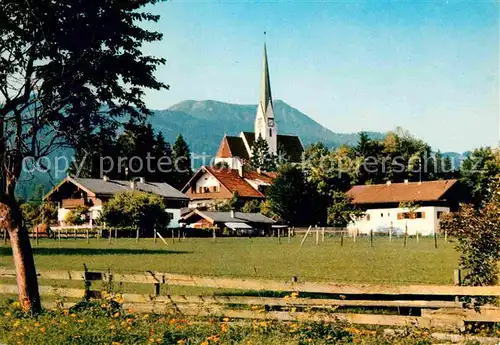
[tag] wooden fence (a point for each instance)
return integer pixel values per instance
(419, 305)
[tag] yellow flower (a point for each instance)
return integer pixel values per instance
(7, 313)
(37, 324)
(145, 316)
(226, 319)
(151, 340)
(42, 329)
(16, 323)
(73, 315)
(204, 343)
(65, 311)
(181, 341)
(294, 294)
(263, 324)
(115, 343)
(116, 314)
(81, 321)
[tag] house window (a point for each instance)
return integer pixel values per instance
(270, 132)
(382, 215)
(200, 190)
(170, 215)
(206, 190)
(440, 214)
(412, 215)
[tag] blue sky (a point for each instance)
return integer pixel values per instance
(430, 67)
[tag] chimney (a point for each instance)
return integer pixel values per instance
(132, 184)
(406, 181)
(142, 180)
(231, 213)
(388, 183)
(105, 178)
(240, 170)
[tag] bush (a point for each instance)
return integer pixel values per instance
(141, 210)
(77, 216)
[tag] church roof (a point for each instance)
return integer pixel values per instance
(291, 144)
(232, 147)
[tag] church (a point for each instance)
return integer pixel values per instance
(237, 150)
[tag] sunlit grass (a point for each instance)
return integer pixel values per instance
(419, 263)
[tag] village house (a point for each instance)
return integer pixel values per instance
(211, 185)
(415, 206)
(73, 192)
(236, 223)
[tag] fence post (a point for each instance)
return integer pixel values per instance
(110, 232)
(156, 291)
(154, 235)
(214, 236)
(116, 234)
(36, 235)
(178, 235)
(371, 237)
(4, 236)
(417, 236)
(446, 236)
(457, 277)
(87, 236)
(406, 235)
(354, 235)
(435, 240)
(317, 235)
(390, 233)
(279, 236)
(59, 236)
(137, 235)
(342, 238)
(289, 235)
(323, 235)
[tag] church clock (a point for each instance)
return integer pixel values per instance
(270, 122)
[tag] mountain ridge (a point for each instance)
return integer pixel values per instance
(192, 117)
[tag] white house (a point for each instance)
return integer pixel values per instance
(409, 206)
(73, 192)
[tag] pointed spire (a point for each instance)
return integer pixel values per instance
(265, 87)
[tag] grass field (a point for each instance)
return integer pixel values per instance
(419, 263)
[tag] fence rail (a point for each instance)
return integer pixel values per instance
(421, 305)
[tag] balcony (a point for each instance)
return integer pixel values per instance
(72, 203)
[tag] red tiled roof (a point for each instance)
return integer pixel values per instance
(231, 179)
(266, 177)
(400, 192)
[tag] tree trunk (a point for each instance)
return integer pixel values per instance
(27, 282)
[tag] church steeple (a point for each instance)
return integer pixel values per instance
(264, 119)
(266, 99)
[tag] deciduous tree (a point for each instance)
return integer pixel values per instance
(67, 68)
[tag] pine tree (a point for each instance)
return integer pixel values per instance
(162, 160)
(261, 157)
(181, 158)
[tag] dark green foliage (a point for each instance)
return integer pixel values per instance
(342, 210)
(478, 238)
(292, 198)
(181, 157)
(252, 206)
(479, 171)
(261, 157)
(143, 211)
